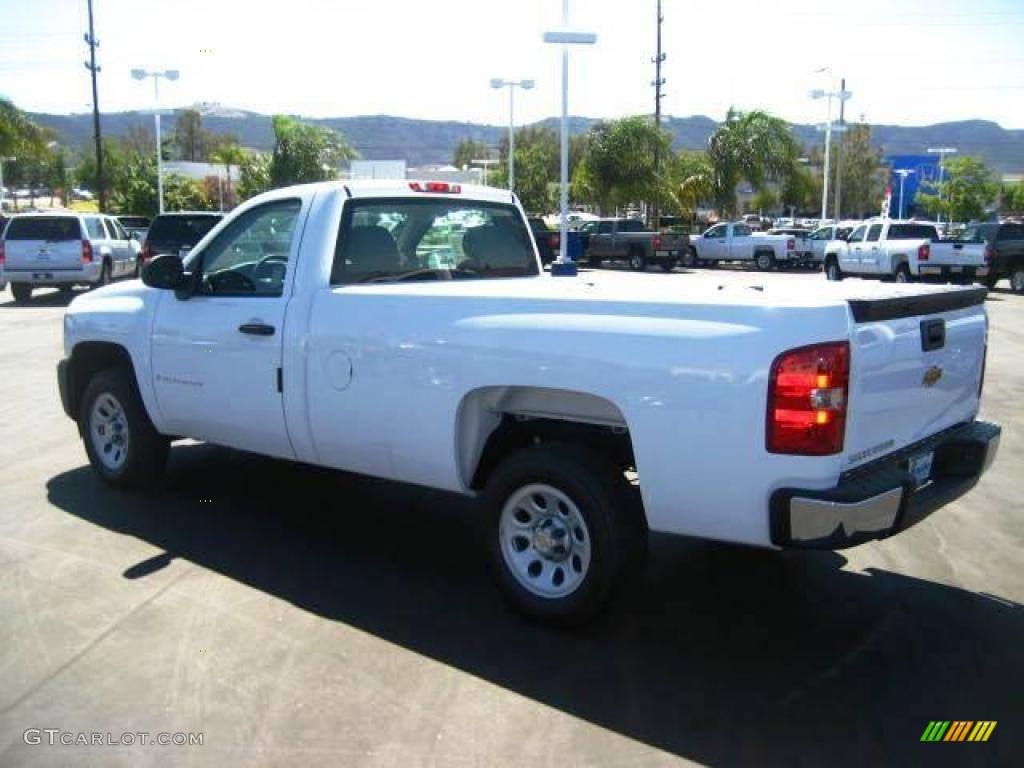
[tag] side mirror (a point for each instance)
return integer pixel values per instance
(165, 272)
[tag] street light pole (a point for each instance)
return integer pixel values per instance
(842, 95)
(526, 85)
(565, 37)
(170, 74)
(941, 152)
(902, 173)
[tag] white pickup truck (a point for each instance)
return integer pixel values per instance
(738, 242)
(905, 251)
(313, 324)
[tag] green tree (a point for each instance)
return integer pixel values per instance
(692, 181)
(966, 192)
(754, 146)
(253, 176)
(1012, 198)
(58, 176)
(537, 167)
(114, 159)
(192, 142)
(469, 150)
(800, 190)
(230, 155)
(305, 153)
(864, 173)
(619, 165)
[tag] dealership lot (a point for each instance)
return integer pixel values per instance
(293, 614)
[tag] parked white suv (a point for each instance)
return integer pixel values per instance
(63, 250)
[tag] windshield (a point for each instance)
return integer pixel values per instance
(51, 229)
(437, 239)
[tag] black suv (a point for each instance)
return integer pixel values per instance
(171, 232)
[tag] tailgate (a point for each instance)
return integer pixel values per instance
(960, 254)
(43, 242)
(916, 369)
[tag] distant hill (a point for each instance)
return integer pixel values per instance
(420, 142)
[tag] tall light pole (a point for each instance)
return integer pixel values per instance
(941, 152)
(828, 128)
(526, 85)
(169, 74)
(2, 161)
(565, 37)
(902, 173)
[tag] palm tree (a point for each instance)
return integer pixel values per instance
(229, 154)
(749, 145)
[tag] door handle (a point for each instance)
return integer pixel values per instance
(257, 329)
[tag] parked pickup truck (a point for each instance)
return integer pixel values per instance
(309, 325)
(738, 242)
(822, 236)
(630, 241)
(904, 251)
(1005, 252)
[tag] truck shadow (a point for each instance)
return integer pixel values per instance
(724, 655)
(45, 297)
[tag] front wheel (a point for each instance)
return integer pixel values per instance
(559, 530)
(123, 446)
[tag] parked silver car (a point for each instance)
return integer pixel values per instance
(63, 250)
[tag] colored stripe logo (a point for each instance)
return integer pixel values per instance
(958, 730)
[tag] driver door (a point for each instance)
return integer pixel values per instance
(216, 357)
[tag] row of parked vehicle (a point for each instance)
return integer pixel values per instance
(63, 249)
(901, 251)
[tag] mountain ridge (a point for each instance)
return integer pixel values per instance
(423, 142)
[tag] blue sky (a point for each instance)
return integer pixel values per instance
(909, 62)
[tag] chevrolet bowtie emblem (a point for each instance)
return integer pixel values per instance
(932, 376)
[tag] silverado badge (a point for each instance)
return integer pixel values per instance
(932, 376)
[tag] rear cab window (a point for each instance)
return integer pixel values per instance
(384, 240)
(179, 231)
(50, 229)
(912, 232)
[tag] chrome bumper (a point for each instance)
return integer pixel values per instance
(881, 498)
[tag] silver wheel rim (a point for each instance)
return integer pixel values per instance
(544, 541)
(763, 261)
(636, 263)
(108, 430)
(1017, 281)
(833, 272)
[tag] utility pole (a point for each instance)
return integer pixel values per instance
(93, 44)
(839, 152)
(658, 82)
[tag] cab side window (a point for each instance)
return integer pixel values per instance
(874, 233)
(858, 235)
(252, 255)
(95, 228)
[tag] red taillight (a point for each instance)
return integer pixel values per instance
(553, 242)
(146, 253)
(86, 251)
(656, 243)
(923, 252)
(807, 394)
(435, 186)
(790, 245)
(989, 253)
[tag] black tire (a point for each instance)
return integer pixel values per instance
(22, 292)
(637, 260)
(668, 263)
(138, 265)
(990, 281)
(832, 270)
(902, 274)
(144, 449)
(66, 288)
(1017, 279)
(614, 530)
(104, 275)
(689, 258)
(764, 261)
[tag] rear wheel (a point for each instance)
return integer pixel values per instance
(637, 260)
(903, 274)
(832, 271)
(668, 263)
(560, 531)
(123, 446)
(104, 275)
(22, 292)
(764, 260)
(1017, 279)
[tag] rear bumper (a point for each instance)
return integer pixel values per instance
(947, 272)
(87, 273)
(880, 499)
